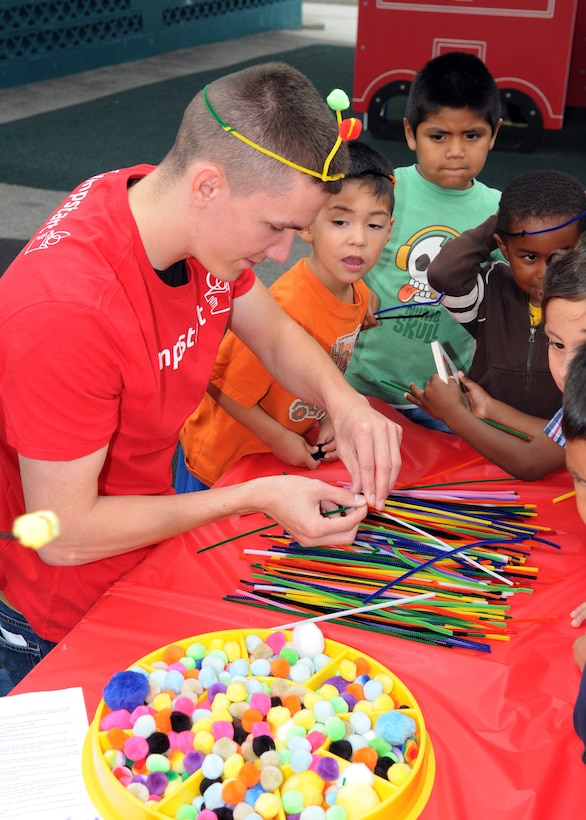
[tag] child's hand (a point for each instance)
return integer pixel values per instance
(370, 319)
(293, 449)
(476, 396)
(326, 439)
(437, 398)
(578, 615)
(579, 650)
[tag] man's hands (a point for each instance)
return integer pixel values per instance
(298, 504)
(369, 444)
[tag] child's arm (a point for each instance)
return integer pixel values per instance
(484, 406)
(287, 445)
(579, 715)
(527, 460)
(370, 320)
(579, 649)
(456, 268)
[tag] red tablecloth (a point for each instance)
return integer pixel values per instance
(500, 723)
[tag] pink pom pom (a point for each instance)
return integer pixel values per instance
(185, 705)
(222, 728)
(136, 748)
(276, 640)
(118, 719)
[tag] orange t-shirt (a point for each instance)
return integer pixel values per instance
(212, 440)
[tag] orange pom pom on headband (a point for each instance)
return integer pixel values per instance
(347, 130)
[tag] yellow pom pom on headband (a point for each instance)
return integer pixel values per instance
(348, 129)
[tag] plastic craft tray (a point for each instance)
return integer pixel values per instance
(113, 801)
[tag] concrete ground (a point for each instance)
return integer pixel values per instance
(23, 209)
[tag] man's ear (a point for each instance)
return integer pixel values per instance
(207, 183)
(409, 135)
(306, 234)
(501, 245)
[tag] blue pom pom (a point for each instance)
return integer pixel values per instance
(126, 690)
(395, 727)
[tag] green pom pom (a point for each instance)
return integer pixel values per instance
(338, 100)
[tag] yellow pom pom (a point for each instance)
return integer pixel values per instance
(36, 529)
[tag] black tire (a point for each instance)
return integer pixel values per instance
(522, 126)
(386, 110)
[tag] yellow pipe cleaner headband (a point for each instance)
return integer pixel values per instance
(348, 129)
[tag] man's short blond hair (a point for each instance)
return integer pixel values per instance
(272, 104)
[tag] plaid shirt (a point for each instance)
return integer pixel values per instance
(553, 428)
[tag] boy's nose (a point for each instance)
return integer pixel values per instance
(358, 236)
(456, 147)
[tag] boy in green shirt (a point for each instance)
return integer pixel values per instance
(451, 122)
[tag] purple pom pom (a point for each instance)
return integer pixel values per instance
(215, 689)
(126, 690)
(350, 700)
(192, 761)
(339, 682)
(157, 782)
(328, 768)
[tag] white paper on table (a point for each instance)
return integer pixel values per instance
(41, 740)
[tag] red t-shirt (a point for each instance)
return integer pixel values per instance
(94, 349)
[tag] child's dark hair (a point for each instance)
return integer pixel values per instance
(541, 195)
(565, 277)
(457, 80)
(370, 165)
(574, 402)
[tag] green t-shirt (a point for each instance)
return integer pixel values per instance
(398, 350)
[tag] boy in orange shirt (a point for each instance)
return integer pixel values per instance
(245, 409)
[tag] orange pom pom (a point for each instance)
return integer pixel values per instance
(366, 755)
(292, 703)
(356, 690)
(249, 774)
(163, 720)
(350, 129)
(280, 668)
(116, 738)
(362, 666)
(234, 791)
(173, 653)
(249, 718)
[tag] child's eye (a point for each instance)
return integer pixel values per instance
(556, 345)
(375, 226)
(339, 222)
(530, 257)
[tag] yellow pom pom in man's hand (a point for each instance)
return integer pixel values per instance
(36, 529)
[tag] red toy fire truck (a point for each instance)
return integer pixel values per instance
(535, 50)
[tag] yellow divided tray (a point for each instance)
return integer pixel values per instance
(400, 802)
